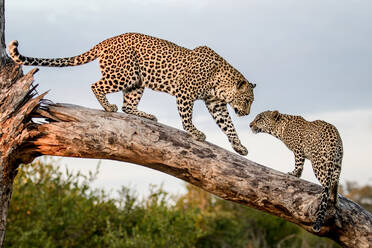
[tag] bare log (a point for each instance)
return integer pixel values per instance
(75, 131)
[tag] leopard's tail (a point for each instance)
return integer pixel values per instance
(86, 57)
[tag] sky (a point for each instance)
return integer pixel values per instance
(309, 58)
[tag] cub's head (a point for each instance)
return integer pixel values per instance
(265, 122)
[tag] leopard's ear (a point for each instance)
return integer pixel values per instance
(276, 115)
(253, 86)
(240, 84)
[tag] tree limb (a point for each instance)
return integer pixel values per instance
(75, 131)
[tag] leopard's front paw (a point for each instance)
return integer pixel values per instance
(138, 113)
(240, 149)
(151, 117)
(197, 135)
(294, 173)
(111, 108)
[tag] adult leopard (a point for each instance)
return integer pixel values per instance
(130, 62)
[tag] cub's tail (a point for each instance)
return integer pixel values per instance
(321, 210)
(54, 62)
(324, 198)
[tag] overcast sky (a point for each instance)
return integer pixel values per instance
(310, 58)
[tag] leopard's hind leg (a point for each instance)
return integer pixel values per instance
(185, 107)
(334, 184)
(100, 89)
(130, 103)
(116, 76)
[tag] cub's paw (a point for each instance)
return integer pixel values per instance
(197, 135)
(111, 108)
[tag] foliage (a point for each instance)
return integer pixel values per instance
(228, 224)
(54, 209)
(361, 195)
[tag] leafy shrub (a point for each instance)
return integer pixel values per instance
(54, 209)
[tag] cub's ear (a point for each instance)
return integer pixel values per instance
(276, 115)
(253, 86)
(240, 84)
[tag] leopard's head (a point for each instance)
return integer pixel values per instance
(234, 89)
(265, 122)
(242, 98)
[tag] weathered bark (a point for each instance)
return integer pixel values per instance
(9, 123)
(16, 105)
(75, 131)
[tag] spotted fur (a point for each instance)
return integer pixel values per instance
(131, 62)
(317, 141)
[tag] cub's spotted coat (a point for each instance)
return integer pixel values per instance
(317, 141)
(130, 62)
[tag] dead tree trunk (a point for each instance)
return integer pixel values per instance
(7, 73)
(16, 105)
(75, 131)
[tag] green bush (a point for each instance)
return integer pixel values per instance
(54, 209)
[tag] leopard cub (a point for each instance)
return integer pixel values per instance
(317, 141)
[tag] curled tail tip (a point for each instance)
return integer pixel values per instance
(13, 44)
(13, 51)
(316, 227)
